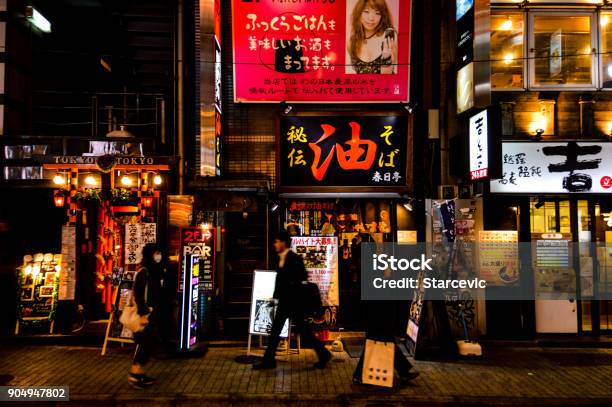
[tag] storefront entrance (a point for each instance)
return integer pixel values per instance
(587, 223)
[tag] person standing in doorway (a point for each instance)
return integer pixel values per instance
(291, 273)
(148, 298)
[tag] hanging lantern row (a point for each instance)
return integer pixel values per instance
(127, 180)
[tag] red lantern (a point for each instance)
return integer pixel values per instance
(147, 201)
(59, 199)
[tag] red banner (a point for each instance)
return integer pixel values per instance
(321, 50)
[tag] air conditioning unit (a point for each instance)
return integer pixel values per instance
(448, 191)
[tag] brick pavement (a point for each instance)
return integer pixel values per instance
(506, 376)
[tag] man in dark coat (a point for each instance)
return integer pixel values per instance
(291, 274)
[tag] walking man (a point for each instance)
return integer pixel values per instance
(291, 274)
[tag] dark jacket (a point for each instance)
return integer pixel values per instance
(288, 279)
(149, 277)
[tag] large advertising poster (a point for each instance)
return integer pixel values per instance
(321, 51)
(320, 255)
(336, 151)
(555, 167)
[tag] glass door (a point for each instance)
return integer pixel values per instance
(602, 310)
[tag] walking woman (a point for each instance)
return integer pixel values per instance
(148, 298)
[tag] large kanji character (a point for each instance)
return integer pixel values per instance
(351, 159)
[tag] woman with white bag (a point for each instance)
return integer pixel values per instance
(147, 296)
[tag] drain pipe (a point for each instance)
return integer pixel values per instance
(180, 100)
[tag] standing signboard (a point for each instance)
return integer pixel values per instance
(311, 51)
(38, 282)
(199, 242)
(263, 307)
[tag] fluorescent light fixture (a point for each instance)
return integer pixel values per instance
(38, 20)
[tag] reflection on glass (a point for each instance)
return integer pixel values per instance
(507, 50)
(562, 50)
(605, 23)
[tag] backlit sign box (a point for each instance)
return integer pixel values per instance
(555, 167)
(314, 51)
(479, 146)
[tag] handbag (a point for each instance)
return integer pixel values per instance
(129, 317)
(378, 362)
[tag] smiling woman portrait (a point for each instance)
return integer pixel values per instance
(372, 38)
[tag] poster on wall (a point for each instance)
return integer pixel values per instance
(320, 255)
(336, 151)
(555, 167)
(67, 277)
(262, 306)
(137, 235)
(324, 51)
(499, 257)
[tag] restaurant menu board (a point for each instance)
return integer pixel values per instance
(200, 243)
(137, 235)
(38, 286)
(407, 237)
(499, 257)
(554, 273)
(262, 306)
(67, 278)
(313, 51)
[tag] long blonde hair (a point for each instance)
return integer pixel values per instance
(358, 36)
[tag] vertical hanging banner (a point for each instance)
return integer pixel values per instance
(321, 51)
(67, 277)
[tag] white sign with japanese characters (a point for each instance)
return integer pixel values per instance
(137, 235)
(479, 146)
(555, 167)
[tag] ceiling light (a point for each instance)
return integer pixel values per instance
(126, 181)
(38, 20)
(506, 25)
(91, 180)
(59, 180)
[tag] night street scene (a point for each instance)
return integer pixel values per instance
(306, 202)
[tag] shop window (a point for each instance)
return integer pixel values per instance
(507, 50)
(605, 26)
(562, 52)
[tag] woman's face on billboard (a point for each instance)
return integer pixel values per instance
(370, 18)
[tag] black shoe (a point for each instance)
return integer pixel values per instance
(323, 359)
(147, 381)
(264, 365)
(136, 382)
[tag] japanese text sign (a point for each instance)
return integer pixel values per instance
(326, 51)
(555, 167)
(479, 146)
(343, 151)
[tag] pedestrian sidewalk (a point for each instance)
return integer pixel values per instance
(504, 377)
